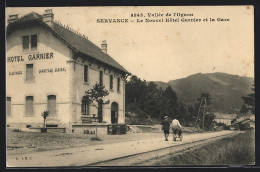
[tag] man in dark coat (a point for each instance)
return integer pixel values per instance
(166, 127)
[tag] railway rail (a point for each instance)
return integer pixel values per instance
(143, 158)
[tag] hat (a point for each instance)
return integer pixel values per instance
(165, 117)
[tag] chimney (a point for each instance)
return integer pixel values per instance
(12, 18)
(48, 17)
(104, 46)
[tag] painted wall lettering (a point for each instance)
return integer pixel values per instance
(31, 57)
(15, 59)
(52, 70)
(45, 70)
(60, 69)
(15, 73)
(40, 56)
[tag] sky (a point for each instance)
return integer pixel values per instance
(163, 51)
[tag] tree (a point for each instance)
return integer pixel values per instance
(192, 113)
(150, 99)
(170, 101)
(45, 114)
(134, 89)
(96, 97)
(243, 109)
(249, 100)
(182, 113)
(209, 120)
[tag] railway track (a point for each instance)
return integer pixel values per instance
(145, 158)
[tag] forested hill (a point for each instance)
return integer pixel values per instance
(225, 89)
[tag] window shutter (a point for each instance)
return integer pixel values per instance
(85, 73)
(33, 42)
(29, 72)
(29, 106)
(101, 78)
(118, 84)
(111, 82)
(8, 106)
(83, 106)
(25, 42)
(52, 104)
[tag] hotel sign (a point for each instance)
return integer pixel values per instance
(30, 57)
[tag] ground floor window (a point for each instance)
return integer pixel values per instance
(114, 113)
(51, 105)
(29, 106)
(85, 106)
(8, 106)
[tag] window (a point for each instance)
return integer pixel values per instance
(29, 72)
(51, 105)
(101, 78)
(30, 43)
(26, 43)
(33, 42)
(29, 106)
(85, 106)
(85, 73)
(8, 106)
(118, 84)
(111, 82)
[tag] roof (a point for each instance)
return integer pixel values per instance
(224, 116)
(29, 17)
(76, 41)
(242, 120)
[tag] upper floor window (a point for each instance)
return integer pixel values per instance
(101, 78)
(118, 84)
(30, 42)
(111, 82)
(33, 42)
(29, 72)
(26, 43)
(85, 73)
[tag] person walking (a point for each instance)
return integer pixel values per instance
(166, 127)
(176, 128)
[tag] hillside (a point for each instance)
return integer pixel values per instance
(225, 89)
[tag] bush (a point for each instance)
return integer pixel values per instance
(220, 124)
(226, 127)
(95, 139)
(17, 130)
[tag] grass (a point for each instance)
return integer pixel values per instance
(236, 150)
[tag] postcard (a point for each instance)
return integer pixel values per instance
(130, 86)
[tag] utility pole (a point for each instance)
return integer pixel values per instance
(203, 112)
(199, 109)
(203, 99)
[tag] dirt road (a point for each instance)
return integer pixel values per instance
(100, 155)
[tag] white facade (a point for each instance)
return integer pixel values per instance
(57, 74)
